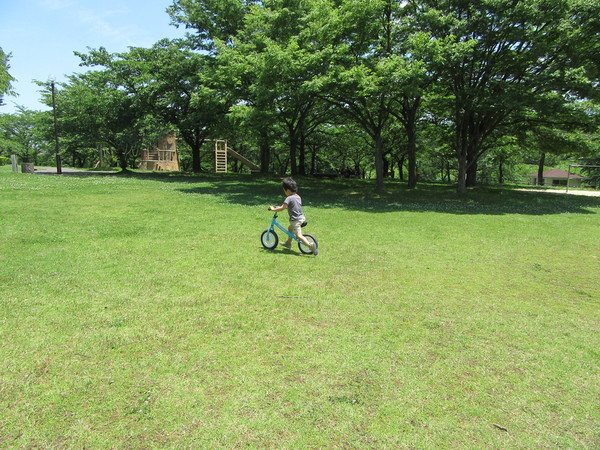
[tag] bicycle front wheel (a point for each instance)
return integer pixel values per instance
(304, 248)
(269, 239)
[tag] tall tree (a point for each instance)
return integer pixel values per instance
(93, 109)
(5, 77)
(210, 20)
(354, 40)
(379, 70)
(506, 56)
(172, 83)
(22, 134)
(273, 53)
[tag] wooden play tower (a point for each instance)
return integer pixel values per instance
(162, 157)
(222, 151)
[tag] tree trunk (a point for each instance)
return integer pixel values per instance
(540, 174)
(461, 150)
(379, 162)
(293, 150)
(302, 156)
(122, 160)
(386, 167)
(472, 161)
(194, 140)
(471, 173)
(265, 152)
(462, 173)
(195, 159)
(410, 126)
(412, 157)
(401, 167)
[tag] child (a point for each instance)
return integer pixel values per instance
(293, 203)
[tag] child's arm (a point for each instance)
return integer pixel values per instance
(278, 208)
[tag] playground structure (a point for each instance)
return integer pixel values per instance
(222, 151)
(163, 157)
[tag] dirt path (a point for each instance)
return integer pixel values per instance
(561, 191)
(69, 170)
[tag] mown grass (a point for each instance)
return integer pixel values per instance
(142, 312)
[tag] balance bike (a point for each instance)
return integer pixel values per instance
(270, 240)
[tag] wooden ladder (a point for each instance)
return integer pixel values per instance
(221, 156)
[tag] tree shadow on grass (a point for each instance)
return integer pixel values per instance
(358, 195)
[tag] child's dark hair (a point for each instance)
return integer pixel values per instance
(289, 184)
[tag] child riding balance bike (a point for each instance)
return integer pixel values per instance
(293, 203)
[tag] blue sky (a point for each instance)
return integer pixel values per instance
(43, 34)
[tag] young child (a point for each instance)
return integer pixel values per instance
(293, 203)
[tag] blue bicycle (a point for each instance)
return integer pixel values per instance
(270, 240)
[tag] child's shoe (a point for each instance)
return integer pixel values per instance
(315, 248)
(287, 244)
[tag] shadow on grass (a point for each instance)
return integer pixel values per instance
(282, 251)
(359, 195)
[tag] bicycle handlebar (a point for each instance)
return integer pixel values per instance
(274, 215)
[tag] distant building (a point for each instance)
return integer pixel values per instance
(557, 177)
(162, 157)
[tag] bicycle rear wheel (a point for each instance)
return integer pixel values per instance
(269, 239)
(304, 248)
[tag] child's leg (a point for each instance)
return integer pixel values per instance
(288, 242)
(300, 236)
(296, 229)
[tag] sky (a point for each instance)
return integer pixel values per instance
(41, 36)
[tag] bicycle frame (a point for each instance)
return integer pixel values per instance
(269, 239)
(274, 224)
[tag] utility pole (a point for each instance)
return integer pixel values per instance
(57, 148)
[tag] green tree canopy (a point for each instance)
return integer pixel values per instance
(5, 77)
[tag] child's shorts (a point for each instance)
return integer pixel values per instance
(296, 226)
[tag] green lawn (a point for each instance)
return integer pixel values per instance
(142, 312)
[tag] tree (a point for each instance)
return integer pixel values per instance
(379, 71)
(22, 134)
(5, 78)
(504, 57)
(270, 63)
(354, 40)
(212, 21)
(94, 110)
(171, 83)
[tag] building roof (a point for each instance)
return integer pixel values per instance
(556, 173)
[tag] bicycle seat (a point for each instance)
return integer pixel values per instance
(304, 224)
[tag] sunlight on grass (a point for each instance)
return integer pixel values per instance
(143, 312)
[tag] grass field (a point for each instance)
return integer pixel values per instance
(142, 312)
